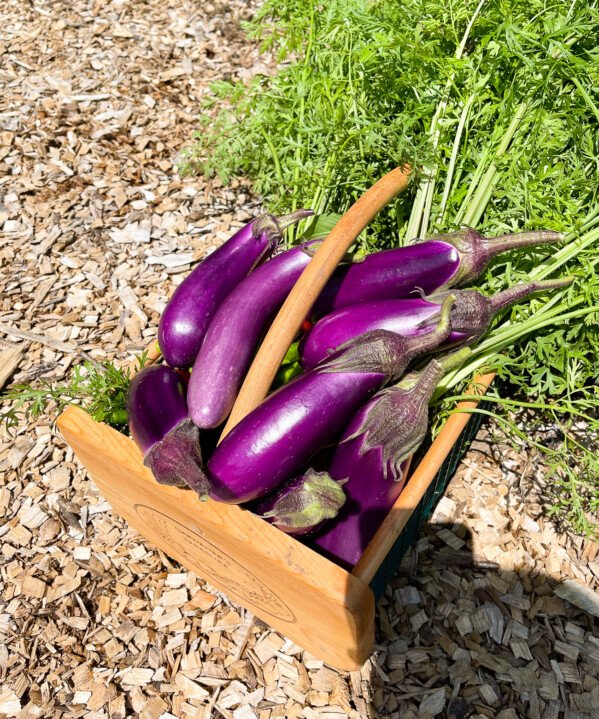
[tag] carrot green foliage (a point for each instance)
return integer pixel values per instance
(99, 388)
(497, 104)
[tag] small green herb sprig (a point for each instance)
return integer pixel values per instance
(100, 388)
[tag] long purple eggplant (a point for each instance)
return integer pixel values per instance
(159, 424)
(302, 505)
(271, 443)
(238, 324)
(371, 457)
(188, 313)
(471, 316)
(234, 333)
(434, 264)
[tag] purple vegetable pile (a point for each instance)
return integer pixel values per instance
(323, 457)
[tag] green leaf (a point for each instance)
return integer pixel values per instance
(321, 226)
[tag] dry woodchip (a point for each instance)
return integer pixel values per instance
(493, 613)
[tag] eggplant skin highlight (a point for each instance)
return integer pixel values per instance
(274, 441)
(471, 316)
(234, 335)
(434, 264)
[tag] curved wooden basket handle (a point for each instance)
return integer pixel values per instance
(304, 293)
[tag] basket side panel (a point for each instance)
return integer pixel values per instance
(419, 482)
(309, 599)
(388, 568)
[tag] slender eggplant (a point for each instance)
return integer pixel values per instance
(159, 424)
(271, 443)
(301, 506)
(471, 316)
(434, 264)
(371, 458)
(188, 313)
(234, 333)
(238, 324)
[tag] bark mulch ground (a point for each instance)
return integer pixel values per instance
(493, 612)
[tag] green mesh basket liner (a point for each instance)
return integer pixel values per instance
(409, 534)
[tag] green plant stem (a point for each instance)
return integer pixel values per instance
(273, 152)
(483, 356)
(564, 255)
(306, 77)
(419, 218)
(477, 206)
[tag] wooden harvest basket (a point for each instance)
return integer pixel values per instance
(320, 606)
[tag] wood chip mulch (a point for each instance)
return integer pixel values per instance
(493, 613)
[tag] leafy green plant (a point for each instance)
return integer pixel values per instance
(99, 388)
(331, 123)
(496, 105)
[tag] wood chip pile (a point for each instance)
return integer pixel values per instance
(492, 614)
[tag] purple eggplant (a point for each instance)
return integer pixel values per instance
(159, 424)
(186, 318)
(234, 333)
(238, 324)
(304, 504)
(277, 438)
(371, 459)
(471, 316)
(434, 264)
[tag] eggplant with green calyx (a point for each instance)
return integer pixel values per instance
(371, 458)
(301, 506)
(187, 316)
(471, 316)
(279, 437)
(159, 424)
(238, 324)
(437, 263)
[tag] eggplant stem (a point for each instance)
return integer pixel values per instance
(508, 297)
(422, 343)
(476, 250)
(520, 239)
(293, 218)
(454, 360)
(427, 380)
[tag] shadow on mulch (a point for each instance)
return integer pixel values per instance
(500, 644)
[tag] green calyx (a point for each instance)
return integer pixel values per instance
(397, 419)
(316, 498)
